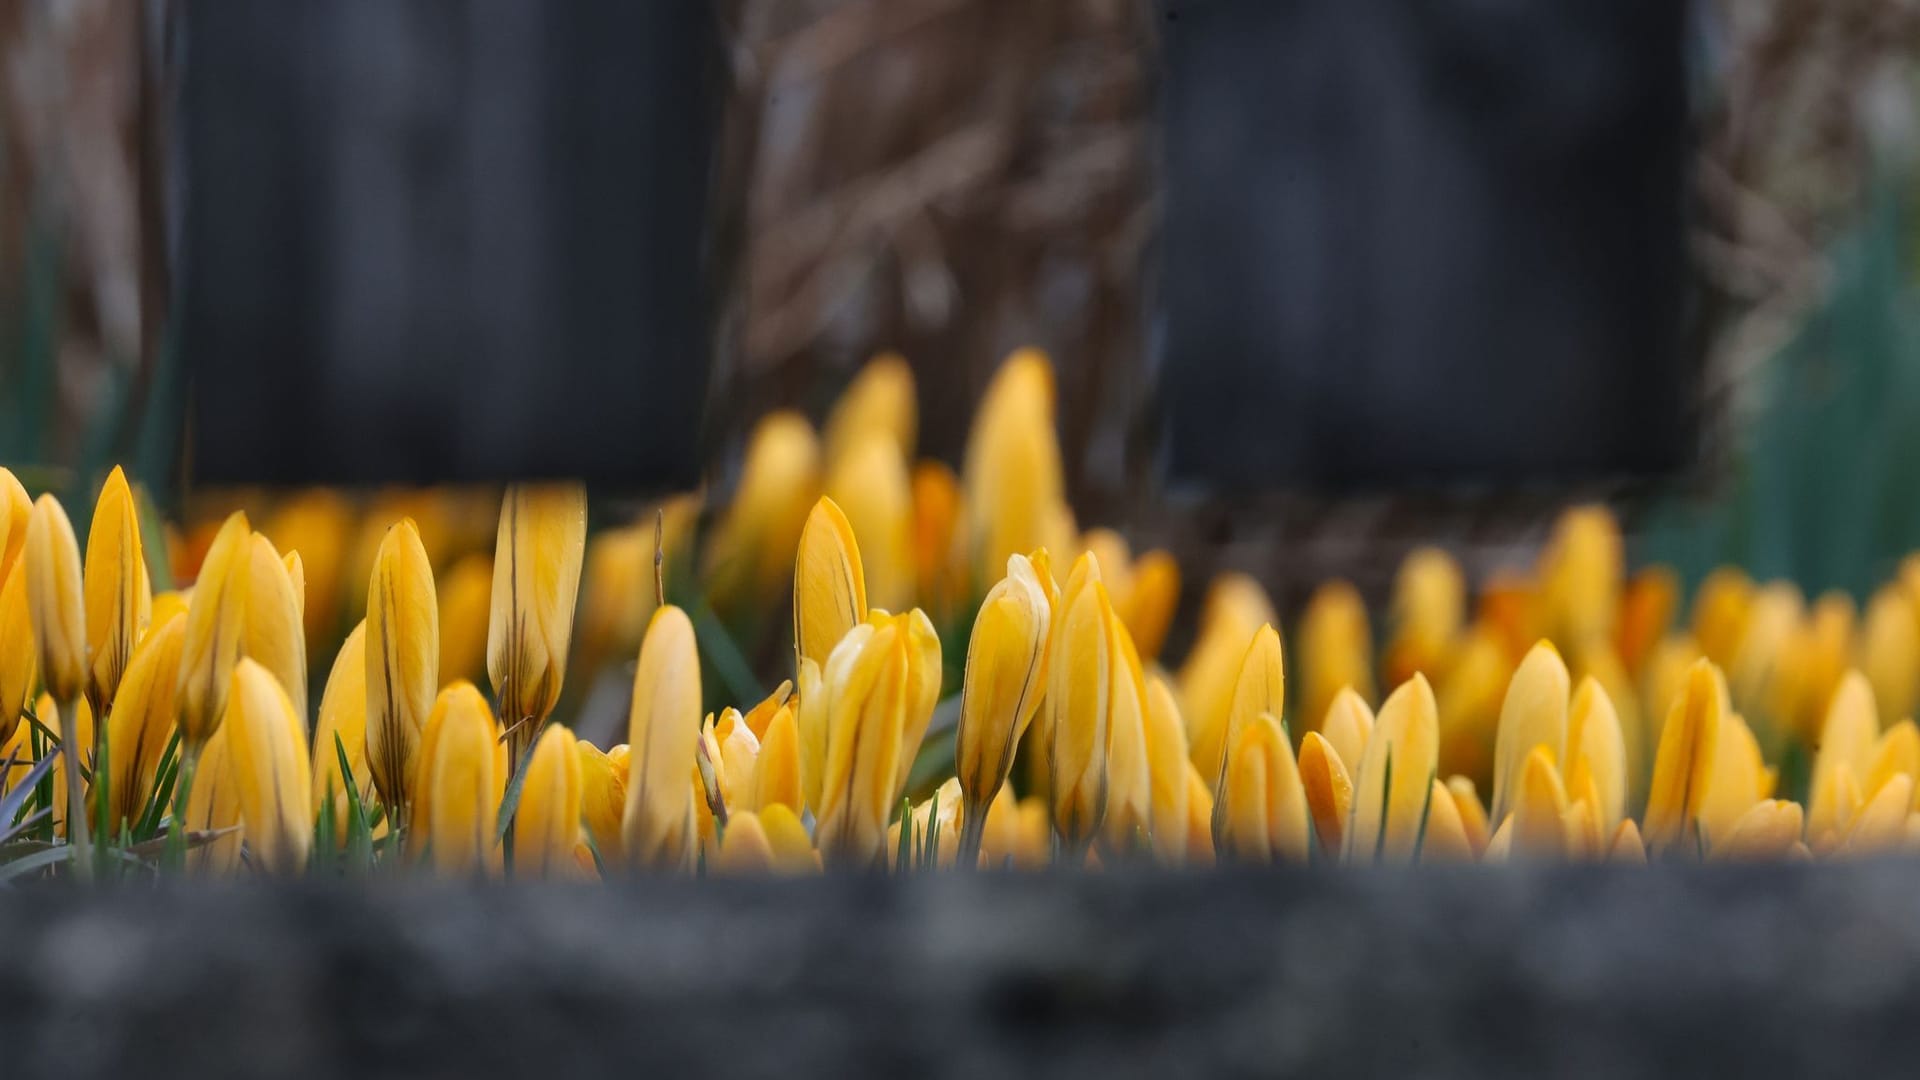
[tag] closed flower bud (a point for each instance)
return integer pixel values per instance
(216, 625)
(603, 798)
(1849, 737)
(1539, 808)
(1006, 672)
(1596, 753)
(1129, 784)
(547, 822)
(1767, 830)
(1890, 653)
(403, 661)
(118, 595)
(343, 726)
(213, 807)
(1329, 791)
(793, 851)
(1012, 475)
(1260, 690)
(460, 784)
(1473, 814)
(879, 403)
(662, 726)
(1683, 765)
(1646, 614)
(1580, 576)
(869, 483)
(15, 511)
(1266, 818)
(1428, 609)
(1079, 703)
(142, 718)
(1740, 778)
(865, 697)
(1720, 611)
(1236, 607)
(1335, 649)
(19, 656)
(51, 560)
(1167, 769)
(536, 580)
(751, 553)
(776, 768)
(1881, 825)
(1395, 776)
(268, 744)
(1535, 714)
(1347, 727)
(275, 634)
(829, 586)
(1447, 838)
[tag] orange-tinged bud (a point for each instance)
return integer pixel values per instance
(1646, 614)
(547, 821)
(1683, 765)
(403, 661)
(1329, 793)
(1395, 776)
(119, 597)
(216, 628)
(142, 719)
(663, 725)
(938, 581)
(268, 744)
(829, 585)
(1535, 714)
(51, 561)
(1335, 648)
(537, 557)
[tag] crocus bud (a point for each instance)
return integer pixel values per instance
(864, 691)
(1079, 703)
(1898, 751)
(51, 560)
(268, 744)
(1847, 737)
(745, 851)
(1720, 610)
(1768, 830)
(15, 510)
(343, 726)
(1335, 648)
(1347, 727)
(1395, 776)
(1260, 690)
(793, 851)
(1446, 839)
(869, 484)
(19, 656)
(1006, 674)
(1881, 825)
(1740, 778)
(213, 806)
(1236, 607)
(752, 549)
(1012, 476)
(1580, 576)
(216, 625)
(879, 402)
(1329, 791)
(142, 719)
(403, 660)
(547, 822)
(1129, 784)
(1265, 817)
(662, 726)
(924, 673)
(1596, 753)
(603, 798)
(1539, 808)
(776, 768)
(536, 581)
(1683, 765)
(118, 595)
(1167, 769)
(1428, 608)
(275, 635)
(829, 586)
(1535, 714)
(459, 808)
(1473, 813)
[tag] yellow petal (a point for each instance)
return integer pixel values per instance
(1720, 609)
(829, 586)
(792, 849)
(870, 484)
(1236, 606)
(1626, 846)
(745, 849)
(1540, 804)
(1006, 672)
(141, 720)
(1767, 830)
(1890, 653)
(213, 805)
(216, 626)
(751, 554)
(1079, 688)
(1241, 823)
(866, 689)
(1152, 600)
(1897, 752)
(1167, 770)
(51, 560)
(342, 726)
(924, 673)
(1473, 814)
(878, 403)
(662, 727)
(1348, 726)
(1849, 736)
(268, 744)
(1683, 766)
(548, 817)
(1012, 473)
(15, 510)
(1427, 613)
(459, 809)
(1329, 793)
(538, 551)
(19, 657)
(1535, 714)
(1259, 690)
(403, 660)
(1446, 839)
(1335, 648)
(776, 769)
(1395, 776)
(1662, 679)
(1881, 825)
(1596, 753)
(118, 596)
(1129, 782)
(465, 593)
(603, 800)
(1739, 778)
(274, 635)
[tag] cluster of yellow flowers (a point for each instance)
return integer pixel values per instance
(1597, 724)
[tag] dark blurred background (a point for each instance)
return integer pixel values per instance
(954, 178)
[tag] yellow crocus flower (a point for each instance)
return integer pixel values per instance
(1395, 775)
(1329, 793)
(663, 724)
(537, 557)
(1079, 702)
(829, 585)
(869, 483)
(1426, 615)
(403, 661)
(1335, 648)
(1005, 676)
(547, 821)
(274, 634)
(119, 598)
(142, 719)
(458, 791)
(1534, 714)
(1683, 765)
(1235, 608)
(1167, 769)
(268, 743)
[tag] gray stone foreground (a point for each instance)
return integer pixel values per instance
(1465, 972)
